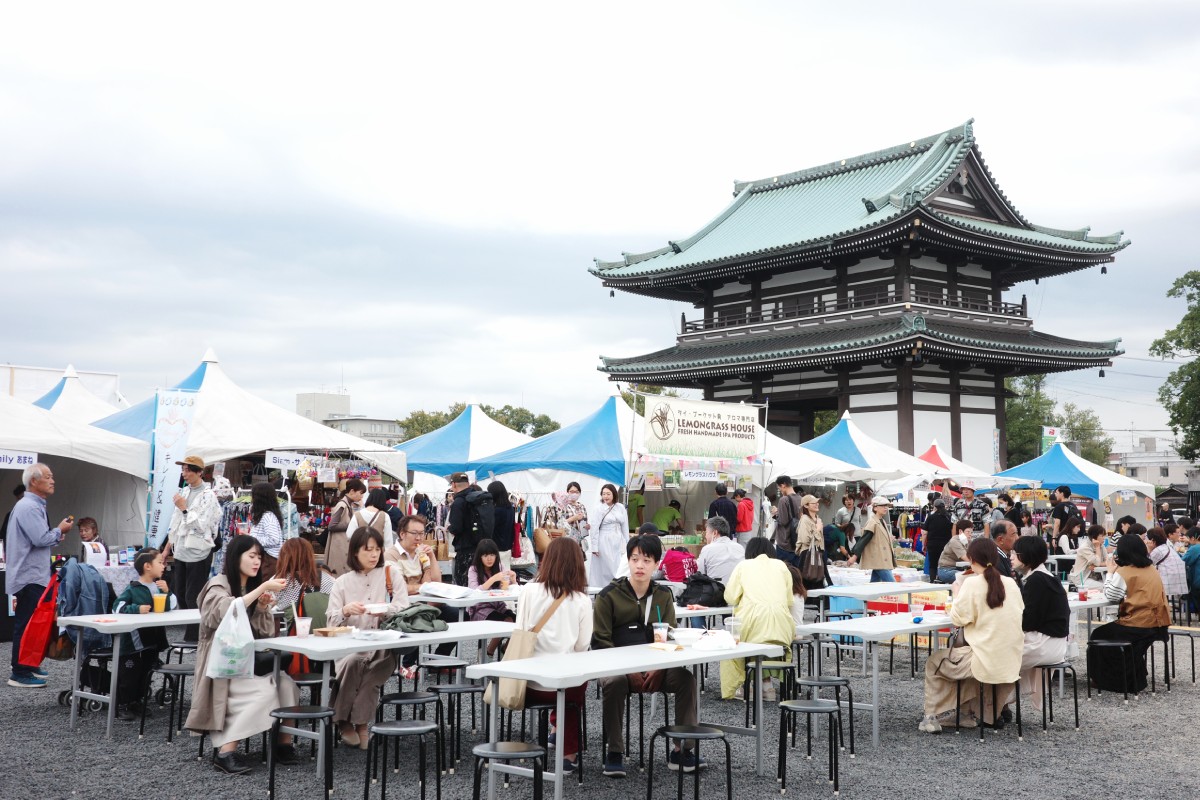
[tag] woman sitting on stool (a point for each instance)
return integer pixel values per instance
(1142, 618)
(1047, 616)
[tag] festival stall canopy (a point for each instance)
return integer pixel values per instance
(72, 400)
(801, 464)
(230, 422)
(25, 427)
(1058, 466)
(470, 436)
(870, 458)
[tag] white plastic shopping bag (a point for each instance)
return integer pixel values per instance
(232, 651)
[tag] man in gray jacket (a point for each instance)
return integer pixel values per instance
(192, 536)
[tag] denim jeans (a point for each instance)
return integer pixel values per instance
(947, 574)
(882, 576)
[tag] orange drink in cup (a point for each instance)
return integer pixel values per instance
(160, 602)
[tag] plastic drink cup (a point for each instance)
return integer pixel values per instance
(734, 626)
(1083, 593)
(660, 631)
(160, 603)
(303, 626)
(504, 585)
(918, 611)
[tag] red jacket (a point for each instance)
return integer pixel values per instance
(745, 515)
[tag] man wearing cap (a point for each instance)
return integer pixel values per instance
(191, 537)
(976, 509)
(874, 548)
(938, 530)
(745, 516)
(461, 525)
(668, 518)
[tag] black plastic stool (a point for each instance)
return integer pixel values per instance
(1190, 635)
(417, 701)
(787, 685)
(689, 733)
(787, 711)
(543, 713)
(996, 705)
(454, 692)
(1126, 649)
(509, 751)
(324, 715)
(175, 676)
(1048, 672)
(818, 682)
(397, 729)
(641, 696)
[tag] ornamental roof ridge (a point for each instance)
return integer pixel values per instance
(1013, 233)
(850, 164)
(927, 173)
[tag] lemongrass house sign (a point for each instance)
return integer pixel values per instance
(702, 429)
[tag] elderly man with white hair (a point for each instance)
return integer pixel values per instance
(29, 540)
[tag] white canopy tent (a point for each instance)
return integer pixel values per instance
(230, 422)
(97, 474)
(469, 437)
(72, 400)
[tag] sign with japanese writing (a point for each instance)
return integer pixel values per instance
(702, 429)
(173, 412)
(17, 459)
(1049, 437)
(283, 460)
(699, 474)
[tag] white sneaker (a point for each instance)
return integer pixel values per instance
(929, 725)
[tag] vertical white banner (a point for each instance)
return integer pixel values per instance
(173, 412)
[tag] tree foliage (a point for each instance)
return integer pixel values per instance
(633, 395)
(1032, 408)
(1180, 394)
(520, 419)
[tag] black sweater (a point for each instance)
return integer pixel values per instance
(1046, 609)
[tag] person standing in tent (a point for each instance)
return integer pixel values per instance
(29, 540)
(745, 517)
(636, 509)
(608, 538)
(722, 506)
(192, 536)
(976, 509)
(337, 541)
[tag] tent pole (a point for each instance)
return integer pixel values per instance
(762, 489)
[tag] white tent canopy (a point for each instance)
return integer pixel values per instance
(230, 422)
(72, 400)
(97, 473)
(469, 437)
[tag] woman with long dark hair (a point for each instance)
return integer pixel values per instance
(486, 573)
(267, 522)
(374, 515)
(562, 579)
(1068, 536)
(505, 515)
(760, 591)
(232, 709)
(988, 611)
(1046, 619)
(608, 537)
(1142, 617)
(298, 566)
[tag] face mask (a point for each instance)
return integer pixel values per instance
(572, 496)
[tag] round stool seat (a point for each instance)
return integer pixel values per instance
(403, 727)
(691, 732)
(433, 660)
(307, 679)
(1059, 665)
(100, 653)
(823, 680)
(779, 665)
(508, 750)
(407, 698)
(1109, 643)
(810, 706)
(303, 712)
(457, 688)
(180, 644)
(176, 669)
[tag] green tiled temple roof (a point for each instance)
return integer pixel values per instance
(847, 342)
(813, 208)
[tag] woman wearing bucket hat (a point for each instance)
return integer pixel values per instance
(873, 550)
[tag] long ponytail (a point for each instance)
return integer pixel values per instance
(985, 553)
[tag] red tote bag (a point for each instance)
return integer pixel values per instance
(41, 629)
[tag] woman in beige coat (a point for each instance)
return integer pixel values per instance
(875, 542)
(371, 582)
(232, 709)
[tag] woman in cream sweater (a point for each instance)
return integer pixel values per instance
(988, 609)
(874, 548)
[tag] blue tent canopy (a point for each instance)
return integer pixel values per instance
(838, 443)
(1058, 466)
(451, 448)
(591, 446)
(138, 421)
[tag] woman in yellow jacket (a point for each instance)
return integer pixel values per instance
(760, 591)
(876, 551)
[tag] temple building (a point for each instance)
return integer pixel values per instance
(874, 285)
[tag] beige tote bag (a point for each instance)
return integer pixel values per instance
(521, 645)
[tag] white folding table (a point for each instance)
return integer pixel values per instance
(114, 625)
(466, 601)
(562, 672)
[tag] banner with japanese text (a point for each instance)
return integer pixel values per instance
(173, 413)
(702, 429)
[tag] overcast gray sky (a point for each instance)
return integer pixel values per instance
(409, 196)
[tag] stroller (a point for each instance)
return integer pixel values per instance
(83, 591)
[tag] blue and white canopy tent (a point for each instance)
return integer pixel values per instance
(454, 447)
(870, 458)
(72, 400)
(1058, 466)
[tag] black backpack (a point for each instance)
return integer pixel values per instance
(482, 519)
(702, 590)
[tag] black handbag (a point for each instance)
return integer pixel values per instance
(701, 590)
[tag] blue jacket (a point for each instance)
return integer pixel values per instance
(82, 591)
(1191, 560)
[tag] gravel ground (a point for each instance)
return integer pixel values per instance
(1135, 751)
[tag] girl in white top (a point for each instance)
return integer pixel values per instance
(374, 513)
(560, 574)
(609, 534)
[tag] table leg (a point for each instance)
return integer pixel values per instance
(758, 716)
(75, 677)
(322, 730)
(558, 743)
(112, 684)
(875, 696)
(495, 734)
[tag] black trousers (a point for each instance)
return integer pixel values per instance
(27, 598)
(190, 577)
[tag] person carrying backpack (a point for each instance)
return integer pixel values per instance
(472, 519)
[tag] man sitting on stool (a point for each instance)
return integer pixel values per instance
(624, 613)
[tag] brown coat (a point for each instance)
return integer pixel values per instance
(878, 553)
(210, 696)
